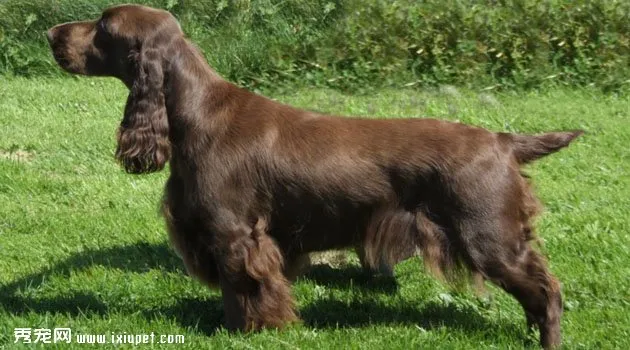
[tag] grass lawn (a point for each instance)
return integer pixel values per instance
(82, 245)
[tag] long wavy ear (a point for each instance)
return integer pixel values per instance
(143, 145)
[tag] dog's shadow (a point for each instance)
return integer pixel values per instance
(332, 313)
(137, 258)
(350, 276)
(206, 315)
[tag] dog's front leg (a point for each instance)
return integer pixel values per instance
(256, 293)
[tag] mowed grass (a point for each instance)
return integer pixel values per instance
(82, 245)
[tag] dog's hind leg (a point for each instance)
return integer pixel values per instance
(521, 271)
(297, 266)
(383, 268)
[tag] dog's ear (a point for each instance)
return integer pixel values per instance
(143, 145)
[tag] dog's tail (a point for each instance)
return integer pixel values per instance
(528, 148)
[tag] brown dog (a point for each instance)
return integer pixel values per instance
(255, 184)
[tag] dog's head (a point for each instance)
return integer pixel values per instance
(132, 43)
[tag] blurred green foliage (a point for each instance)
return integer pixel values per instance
(354, 44)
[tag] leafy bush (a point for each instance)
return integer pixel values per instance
(351, 44)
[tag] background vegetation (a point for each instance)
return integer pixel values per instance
(354, 44)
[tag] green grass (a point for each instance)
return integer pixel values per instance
(82, 246)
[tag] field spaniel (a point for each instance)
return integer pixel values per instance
(255, 185)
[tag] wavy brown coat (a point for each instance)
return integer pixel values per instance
(256, 184)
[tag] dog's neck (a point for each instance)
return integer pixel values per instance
(195, 96)
(188, 79)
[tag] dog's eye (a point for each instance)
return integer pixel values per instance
(102, 32)
(100, 25)
(102, 36)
